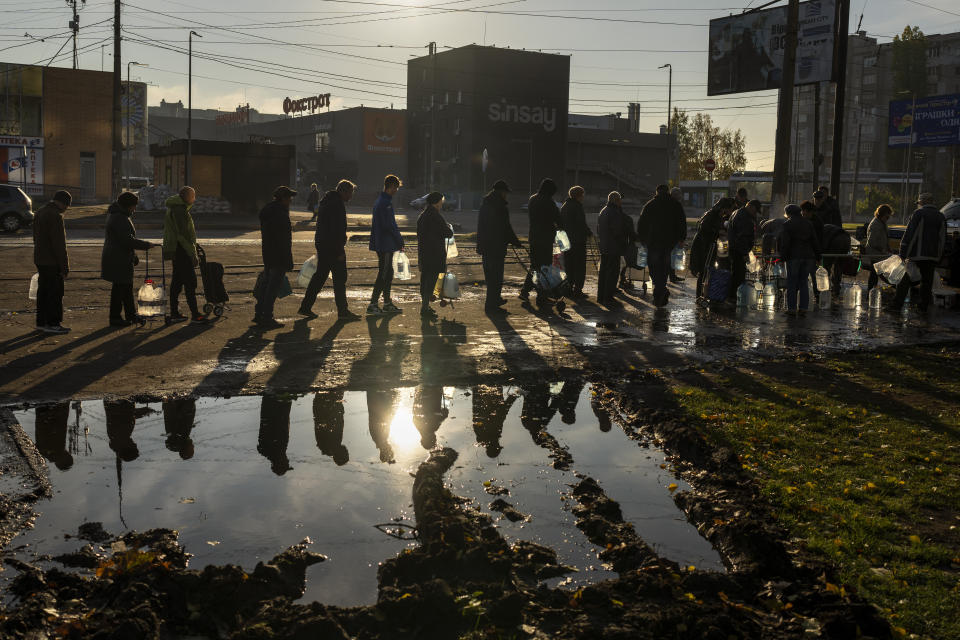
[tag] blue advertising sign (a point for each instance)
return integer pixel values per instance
(934, 123)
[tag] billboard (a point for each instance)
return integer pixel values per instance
(746, 50)
(383, 132)
(934, 123)
(133, 115)
(21, 160)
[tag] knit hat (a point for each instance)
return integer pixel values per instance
(63, 197)
(791, 210)
(128, 199)
(501, 185)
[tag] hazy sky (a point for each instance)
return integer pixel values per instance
(357, 50)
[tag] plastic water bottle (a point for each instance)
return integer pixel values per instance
(897, 274)
(641, 256)
(757, 295)
(824, 299)
(851, 296)
(745, 295)
(678, 259)
(150, 299)
(561, 242)
(401, 265)
(34, 285)
(307, 270)
(875, 298)
(769, 296)
(823, 279)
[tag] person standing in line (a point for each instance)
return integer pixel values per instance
(799, 248)
(741, 198)
(385, 239)
(276, 245)
(432, 231)
(544, 222)
(574, 222)
(742, 233)
(677, 196)
(878, 243)
(661, 227)
(614, 232)
(118, 258)
(827, 207)
(494, 233)
(922, 245)
(52, 262)
(180, 246)
(313, 201)
(330, 241)
(703, 249)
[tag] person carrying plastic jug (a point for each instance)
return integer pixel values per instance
(614, 233)
(118, 258)
(742, 233)
(330, 241)
(385, 239)
(494, 233)
(704, 244)
(922, 245)
(878, 243)
(574, 222)
(544, 222)
(432, 230)
(180, 247)
(799, 248)
(52, 262)
(661, 226)
(276, 246)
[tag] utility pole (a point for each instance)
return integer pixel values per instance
(906, 176)
(856, 166)
(669, 111)
(117, 70)
(188, 164)
(432, 48)
(816, 135)
(74, 26)
(781, 162)
(840, 62)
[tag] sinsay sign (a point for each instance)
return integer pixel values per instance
(523, 114)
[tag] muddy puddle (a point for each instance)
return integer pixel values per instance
(243, 478)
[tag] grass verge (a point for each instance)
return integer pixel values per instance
(860, 456)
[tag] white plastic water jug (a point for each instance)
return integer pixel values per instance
(451, 243)
(451, 288)
(722, 248)
(34, 285)
(779, 269)
(753, 265)
(561, 242)
(150, 299)
(875, 298)
(825, 299)
(769, 296)
(823, 280)
(678, 259)
(401, 265)
(641, 256)
(307, 269)
(745, 295)
(852, 296)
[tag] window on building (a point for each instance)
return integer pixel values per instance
(322, 141)
(869, 79)
(802, 117)
(460, 95)
(870, 61)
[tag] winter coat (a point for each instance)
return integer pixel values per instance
(878, 243)
(50, 238)
(544, 222)
(432, 230)
(614, 231)
(829, 212)
(313, 198)
(331, 235)
(662, 224)
(798, 240)
(494, 231)
(178, 229)
(276, 236)
(835, 240)
(120, 242)
(925, 236)
(573, 220)
(817, 223)
(742, 232)
(708, 231)
(385, 234)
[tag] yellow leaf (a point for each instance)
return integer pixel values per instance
(915, 539)
(690, 596)
(672, 487)
(616, 602)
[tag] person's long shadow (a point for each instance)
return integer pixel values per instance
(230, 371)
(517, 354)
(37, 360)
(439, 360)
(294, 349)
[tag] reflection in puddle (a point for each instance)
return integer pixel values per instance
(243, 478)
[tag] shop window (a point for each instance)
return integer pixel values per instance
(322, 141)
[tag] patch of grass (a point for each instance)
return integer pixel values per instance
(860, 456)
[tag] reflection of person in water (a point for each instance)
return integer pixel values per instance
(178, 419)
(51, 434)
(380, 413)
(275, 432)
(536, 412)
(596, 403)
(428, 413)
(566, 401)
(490, 410)
(121, 419)
(328, 425)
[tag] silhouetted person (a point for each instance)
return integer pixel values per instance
(385, 239)
(180, 247)
(328, 425)
(428, 413)
(490, 410)
(566, 402)
(536, 412)
(276, 238)
(275, 432)
(742, 233)
(614, 233)
(661, 227)
(432, 233)
(922, 245)
(330, 241)
(118, 258)
(53, 264)
(703, 249)
(827, 207)
(121, 420)
(544, 222)
(51, 434)
(179, 415)
(574, 221)
(596, 403)
(494, 233)
(379, 415)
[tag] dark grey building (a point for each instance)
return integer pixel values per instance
(509, 103)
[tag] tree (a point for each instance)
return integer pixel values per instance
(910, 62)
(698, 139)
(873, 198)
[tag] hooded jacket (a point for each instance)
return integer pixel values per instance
(925, 236)
(432, 230)
(494, 231)
(120, 242)
(276, 236)
(385, 234)
(662, 224)
(178, 229)
(331, 235)
(50, 238)
(798, 239)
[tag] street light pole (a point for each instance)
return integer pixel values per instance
(188, 168)
(669, 110)
(126, 146)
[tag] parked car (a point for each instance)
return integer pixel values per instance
(951, 210)
(16, 208)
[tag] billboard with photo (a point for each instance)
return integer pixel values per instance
(934, 123)
(21, 160)
(133, 114)
(384, 131)
(746, 50)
